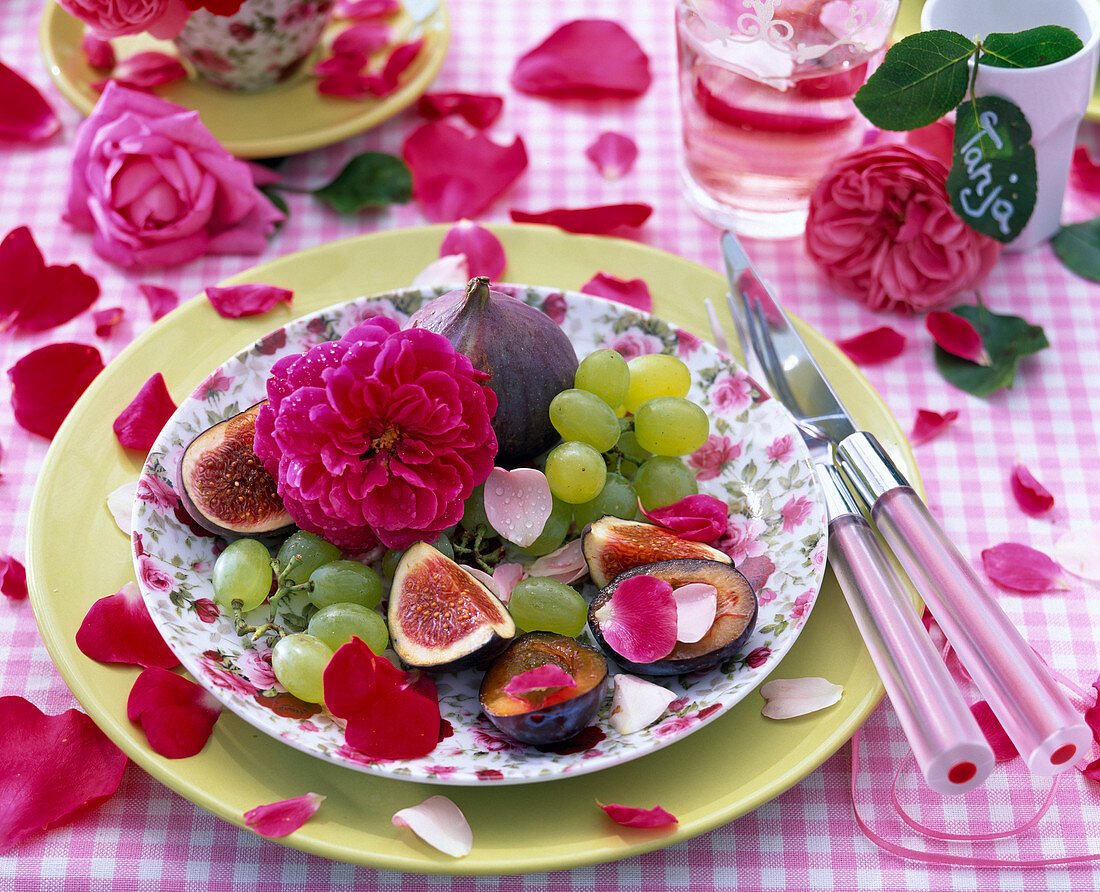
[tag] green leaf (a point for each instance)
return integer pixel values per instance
(372, 179)
(922, 78)
(277, 199)
(1033, 48)
(1078, 247)
(992, 183)
(1007, 339)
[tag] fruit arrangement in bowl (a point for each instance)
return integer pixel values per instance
(513, 505)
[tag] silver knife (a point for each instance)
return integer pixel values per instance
(1034, 711)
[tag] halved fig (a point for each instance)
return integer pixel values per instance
(734, 619)
(441, 618)
(224, 486)
(612, 546)
(545, 715)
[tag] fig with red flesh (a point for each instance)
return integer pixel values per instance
(734, 619)
(612, 546)
(441, 618)
(545, 715)
(224, 486)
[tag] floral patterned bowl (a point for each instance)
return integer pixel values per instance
(754, 459)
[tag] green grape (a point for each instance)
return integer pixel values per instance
(583, 416)
(243, 573)
(671, 425)
(575, 471)
(314, 551)
(606, 374)
(663, 480)
(546, 605)
(390, 560)
(473, 514)
(656, 374)
(335, 625)
(628, 446)
(443, 546)
(553, 532)
(299, 662)
(617, 498)
(345, 582)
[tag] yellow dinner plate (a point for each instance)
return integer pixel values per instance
(76, 554)
(291, 117)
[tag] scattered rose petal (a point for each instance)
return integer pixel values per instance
(613, 154)
(451, 269)
(696, 606)
(160, 300)
(1021, 568)
(1092, 770)
(475, 109)
(565, 564)
(366, 9)
(632, 292)
(1077, 553)
(13, 578)
(176, 714)
(458, 175)
(118, 629)
(120, 502)
(540, 678)
(584, 58)
(699, 517)
(144, 71)
(957, 335)
(485, 579)
(637, 703)
(283, 817)
(396, 64)
(362, 38)
(639, 619)
(1032, 497)
(1003, 748)
(249, 299)
(34, 296)
(518, 503)
(25, 115)
(98, 53)
(1092, 714)
(52, 769)
(631, 816)
(929, 424)
(505, 577)
(790, 697)
(346, 84)
(1084, 173)
(440, 823)
(483, 250)
(139, 424)
(598, 220)
(47, 382)
(876, 345)
(106, 320)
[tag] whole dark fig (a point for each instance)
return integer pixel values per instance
(528, 357)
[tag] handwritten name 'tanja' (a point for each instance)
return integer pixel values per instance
(973, 198)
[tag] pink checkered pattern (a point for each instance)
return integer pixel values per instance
(147, 837)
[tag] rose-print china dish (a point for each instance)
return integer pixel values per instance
(286, 119)
(754, 460)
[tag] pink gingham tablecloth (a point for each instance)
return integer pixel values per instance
(147, 837)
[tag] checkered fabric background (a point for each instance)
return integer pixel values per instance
(147, 837)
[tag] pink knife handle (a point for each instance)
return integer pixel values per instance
(1033, 709)
(949, 747)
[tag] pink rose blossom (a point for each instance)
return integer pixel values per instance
(742, 539)
(207, 611)
(157, 189)
(222, 678)
(118, 18)
(633, 342)
(802, 605)
(256, 667)
(731, 394)
(675, 726)
(767, 595)
(687, 344)
(781, 448)
(882, 230)
(709, 459)
(153, 576)
(758, 657)
(157, 493)
(795, 510)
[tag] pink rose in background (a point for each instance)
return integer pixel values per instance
(709, 459)
(117, 18)
(157, 189)
(882, 230)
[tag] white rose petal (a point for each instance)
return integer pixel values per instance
(790, 697)
(440, 823)
(121, 505)
(637, 704)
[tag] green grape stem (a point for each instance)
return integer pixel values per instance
(271, 629)
(478, 546)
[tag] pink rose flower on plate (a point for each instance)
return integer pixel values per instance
(117, 18)
(882, 230)
(157, 189)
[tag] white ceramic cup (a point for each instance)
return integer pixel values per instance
(1053, 98)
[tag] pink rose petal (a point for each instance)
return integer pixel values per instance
(396, 64)
(613, 154)
(1085, 173)
(876, 345)
(176, 714)
(349, 85)
(98, 52)
(25, 115)
(957, 335)
(362, 38)
(249, 299)
(366, 9)
(451, 269)
(139, 424)
(34, 296)
(637, 703)
(160, 300)
(639, 620)
(1003, 748)
(696, 607)
(1092, 714)
(483, 250)
(929, 424)
(540, 678)
(144, 71)
(13, 578)
(632, 292)
(283, 817)
(120, 504)
(790, 697)
(518, 503)
(457, 175)
(631, 816)
(598, 220)
(118, 629)
(47, 382)
(106, 320)
(341, 64)
(585, 58)
(1032, 497)
(1092, 770)
(440, 823)
(565, 564)
(1077, 553)
(475, 109)
(52, 769)
(1022, 568)
(699, 517)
